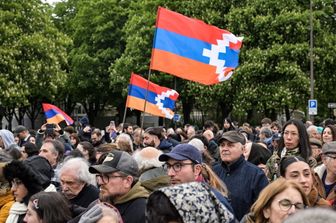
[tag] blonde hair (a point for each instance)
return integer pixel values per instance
(213, 180)
(267, 196)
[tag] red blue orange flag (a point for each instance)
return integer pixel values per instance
(55, 114)
(193, 50)
(160, 101)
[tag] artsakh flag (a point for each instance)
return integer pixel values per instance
(160, 100)
(55, 114)
(190, 49)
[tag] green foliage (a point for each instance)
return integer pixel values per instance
(32, 53)
(104, 41)
(98, 41)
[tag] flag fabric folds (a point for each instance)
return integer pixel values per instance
(55, 114)
(160, 101)
(193, 50)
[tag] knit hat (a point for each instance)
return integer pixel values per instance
(43, 167)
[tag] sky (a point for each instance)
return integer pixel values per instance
(51, 1)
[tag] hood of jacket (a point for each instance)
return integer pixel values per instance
(137, 191)
(7, 138)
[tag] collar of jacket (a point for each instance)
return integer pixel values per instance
(137, 191)
(234, 165)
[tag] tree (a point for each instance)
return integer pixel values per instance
(32, 57)
(98, 41)
(274, 70)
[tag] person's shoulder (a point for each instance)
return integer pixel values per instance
(253, 168)
(216, 165)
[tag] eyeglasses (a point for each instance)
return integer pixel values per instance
(286, 205)
(16, 182)
(176, 166)
(106, 178)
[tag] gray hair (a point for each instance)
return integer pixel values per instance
(81, 168)
(266, 131)
(148, 158)
(311, 127)
(125, 142)
(313, 215)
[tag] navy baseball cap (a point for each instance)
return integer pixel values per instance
(183, 152)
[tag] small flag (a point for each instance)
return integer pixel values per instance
(193, 50)
(55, 114)
(160, 100)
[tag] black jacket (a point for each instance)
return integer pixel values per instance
(88, 194)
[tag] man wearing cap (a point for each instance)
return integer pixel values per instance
(243, 179)
(316, 146)
(117, 178)
(327, 171)
(23, 134)
(184, 165)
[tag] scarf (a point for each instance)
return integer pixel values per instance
(16, 210)
(201, 205)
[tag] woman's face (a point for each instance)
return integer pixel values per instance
(226, 124)
(300, 173)
(291, 137)
(283, 205)
(31, 215)
(73, 141)
(327, 135)
(18, 189)
(32, 140)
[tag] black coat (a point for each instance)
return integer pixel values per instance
(88, 194)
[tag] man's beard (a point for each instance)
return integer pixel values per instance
(151, 143)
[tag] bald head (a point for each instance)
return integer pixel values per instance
(148, 158)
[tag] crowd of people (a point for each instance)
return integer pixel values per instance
(270, 173)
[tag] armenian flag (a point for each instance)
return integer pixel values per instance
(160, 101)
(193, 50)
(55, 114)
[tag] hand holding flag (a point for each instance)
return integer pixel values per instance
(55, 114)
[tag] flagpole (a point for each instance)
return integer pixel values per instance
(125, 111)
(144, 110)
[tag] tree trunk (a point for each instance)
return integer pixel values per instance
(9, 113)
(19, 115)
(187, 106)
(33, 111)
(287, 112)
